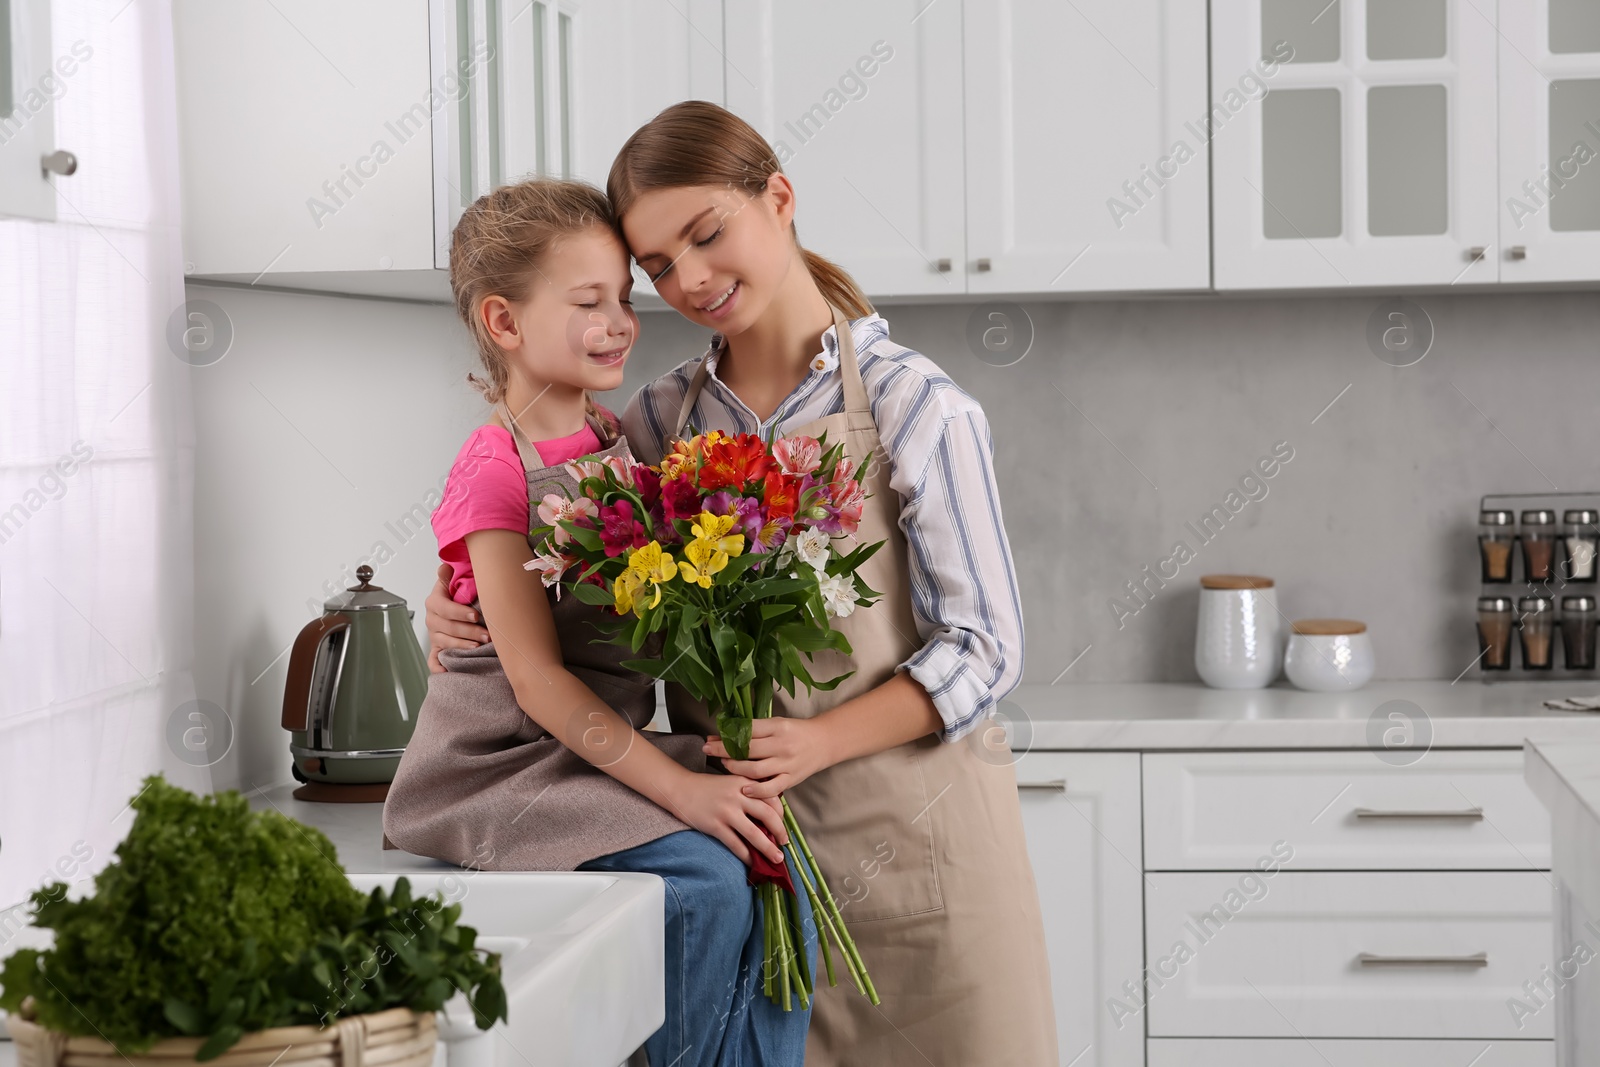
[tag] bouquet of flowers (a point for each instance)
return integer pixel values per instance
(727, 549)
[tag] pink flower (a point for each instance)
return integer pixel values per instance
(549, 568)
(679, 497)
(555, 508)
(584, 468)
(799, 454)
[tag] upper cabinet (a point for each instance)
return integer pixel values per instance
(31, 76)
(1549, 140)
(1086, 165)
(862, 105)
(936, 152)
(939, 147)
(1362, 152)
(334, 148)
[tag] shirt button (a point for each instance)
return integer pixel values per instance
(819, 363)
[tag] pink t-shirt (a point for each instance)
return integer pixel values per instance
(488, 490)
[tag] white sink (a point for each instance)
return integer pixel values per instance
(582, 960)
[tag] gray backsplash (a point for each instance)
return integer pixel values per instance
(321, 434)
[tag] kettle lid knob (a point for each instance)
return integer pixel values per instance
(364, 576)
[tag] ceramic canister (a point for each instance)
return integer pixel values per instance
(1329, 655)
(1239, 641)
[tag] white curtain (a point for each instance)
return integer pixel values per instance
(96, 461)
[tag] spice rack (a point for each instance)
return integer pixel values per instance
(1538, 557)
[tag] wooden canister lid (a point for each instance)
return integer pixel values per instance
(1327, 627)
(1234, 581)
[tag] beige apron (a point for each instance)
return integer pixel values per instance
(921, 844)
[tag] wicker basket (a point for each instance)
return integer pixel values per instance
(398, 1037)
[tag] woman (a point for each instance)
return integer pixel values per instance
(921, 830)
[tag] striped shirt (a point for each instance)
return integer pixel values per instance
(963, 585)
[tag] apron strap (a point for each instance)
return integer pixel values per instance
(855, 391)
(531, 460)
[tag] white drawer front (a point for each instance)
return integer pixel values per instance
(1342, 811)
(1246, 955)
(1222, 1052)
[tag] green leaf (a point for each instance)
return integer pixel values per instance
(592, 594)
(221, 1040)
(185, 1016)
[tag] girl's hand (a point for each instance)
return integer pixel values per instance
(450, 625)
(783, 753)
(714, 804)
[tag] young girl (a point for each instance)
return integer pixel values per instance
(899, 798)
(528, 753)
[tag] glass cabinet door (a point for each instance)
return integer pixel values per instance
(27, 114)
(1353, 142)
(1550, 140)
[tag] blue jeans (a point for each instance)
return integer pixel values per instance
(717, 1014)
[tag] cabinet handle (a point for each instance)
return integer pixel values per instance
(983, 264)
(942, 265)
(1372, 959)
(1058, 785)
(1476, 252)
(1519, 251)
(59, 162)
(1375, 813)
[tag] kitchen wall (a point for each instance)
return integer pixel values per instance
(330, 421)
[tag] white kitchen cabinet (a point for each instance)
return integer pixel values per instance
(862, 105)
(307, 142)
(1342, 811)
(1372, 157)
(1549, 140)
(1305, 1052)
(334, 148)
(1085, 167)
(1080, 812)
(1388, 954)
(32, 71)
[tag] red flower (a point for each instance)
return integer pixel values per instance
(734, 461)
(780, 494)
(679, 498)
(620, 531)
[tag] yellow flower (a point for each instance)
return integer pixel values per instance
(624, 589)
(703, 560)
(652, 564)
(713, 529)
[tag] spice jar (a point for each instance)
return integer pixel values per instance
(1494, 633)
(1538, 544)
(1496, 532)
(1580, 538)
(1577, 632)
(1536, 620)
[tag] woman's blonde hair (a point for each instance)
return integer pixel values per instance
(496, 250)
(699, 143)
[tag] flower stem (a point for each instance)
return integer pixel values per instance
(847, 944)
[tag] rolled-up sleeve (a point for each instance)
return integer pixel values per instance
(963, 583)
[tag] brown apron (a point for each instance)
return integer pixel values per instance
(921, 844)
(482, 785)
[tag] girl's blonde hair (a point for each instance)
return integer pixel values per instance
(699, 143)
(496, 250)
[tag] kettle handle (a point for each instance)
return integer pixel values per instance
(302, 668)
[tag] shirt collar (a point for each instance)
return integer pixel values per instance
(823, 362)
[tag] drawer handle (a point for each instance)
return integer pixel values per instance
(1379, 813)
(1371, 959)
(1059, 785)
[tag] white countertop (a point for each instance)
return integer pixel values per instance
(356, 830)
(1152, 716)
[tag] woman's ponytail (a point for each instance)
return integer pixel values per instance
(838, 288)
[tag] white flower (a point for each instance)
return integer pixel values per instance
(811, 545)
(584, 468)
(838, 594)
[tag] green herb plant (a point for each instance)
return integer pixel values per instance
(216, 921)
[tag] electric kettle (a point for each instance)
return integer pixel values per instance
(357, 677)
